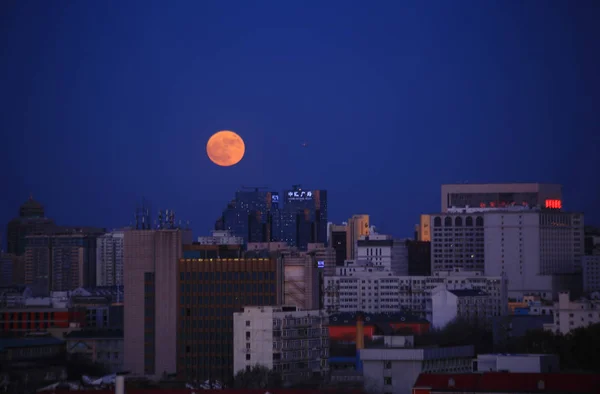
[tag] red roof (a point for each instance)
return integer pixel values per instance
(511, 382)
(188, 391)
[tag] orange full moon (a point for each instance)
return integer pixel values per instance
(225, 148)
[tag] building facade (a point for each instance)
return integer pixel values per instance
(591, 273)
(353, 291)
(150, 297)
(287, 340)
(569, 315)
(31, 220)
(500, 195)
(304, 217)
(104, 347)
(109, 259)
(383, 253)
(358, 226)
(208, 294)
(473, 306)
(337, 240)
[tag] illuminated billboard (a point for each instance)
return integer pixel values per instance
(320, 264)
(299, 195)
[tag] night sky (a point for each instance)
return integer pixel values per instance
(103, 102)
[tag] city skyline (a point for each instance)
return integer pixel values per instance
(374, 104)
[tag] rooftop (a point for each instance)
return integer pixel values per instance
(94, 334)
(349, 319)
(511, 382)
(469, 293)
(11, 343)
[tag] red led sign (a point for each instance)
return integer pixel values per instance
(554, 204)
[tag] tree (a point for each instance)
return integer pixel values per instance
(459, 332)
(257, 377)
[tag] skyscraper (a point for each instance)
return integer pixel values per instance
(304, 217)
(358, 226)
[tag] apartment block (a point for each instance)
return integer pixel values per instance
(357, 289)
(569, 315)
(288, 340)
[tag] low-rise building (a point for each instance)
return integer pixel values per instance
(474, 306)
(503, 382)
(287, 340)
(569, 315)
(104, 347)
(394, 366)
(522, 363)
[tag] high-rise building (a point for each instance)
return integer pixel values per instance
(61, 260)
(304, 217)
(501, 195)
(338, 241)
(208, 293)
(31, 221)
(531, 247)
(109, 259)
(358, 226)
(151, 283)
(250, 215)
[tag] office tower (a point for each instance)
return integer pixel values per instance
(501, 195)
(382, 253)
(208, 293)
(592, 241)
(31, 220)
(304, 217)
(38, 263)
(150, 278)
(536, 250)
(250, 215)
(109, 259)
(338, 241)
(358, 226)
(12, 269)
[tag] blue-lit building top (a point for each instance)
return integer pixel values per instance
(304, 217)
(297, 217)
(249, 215)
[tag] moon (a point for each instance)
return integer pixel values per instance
(225, 148)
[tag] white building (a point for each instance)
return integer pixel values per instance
(517, 363)
(109, 259)
(591, 273)
(569, 315)
(356, 289)
(221, 237)
(475, 306)
(287, 340)
(392, 369)
(529, 246)
(383, 253)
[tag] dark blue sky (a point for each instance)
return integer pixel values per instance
(103, 102)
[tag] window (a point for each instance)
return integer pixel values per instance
(387, 380)
(247, 357)
(247, 323)
(247, 335)
(387, 364)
